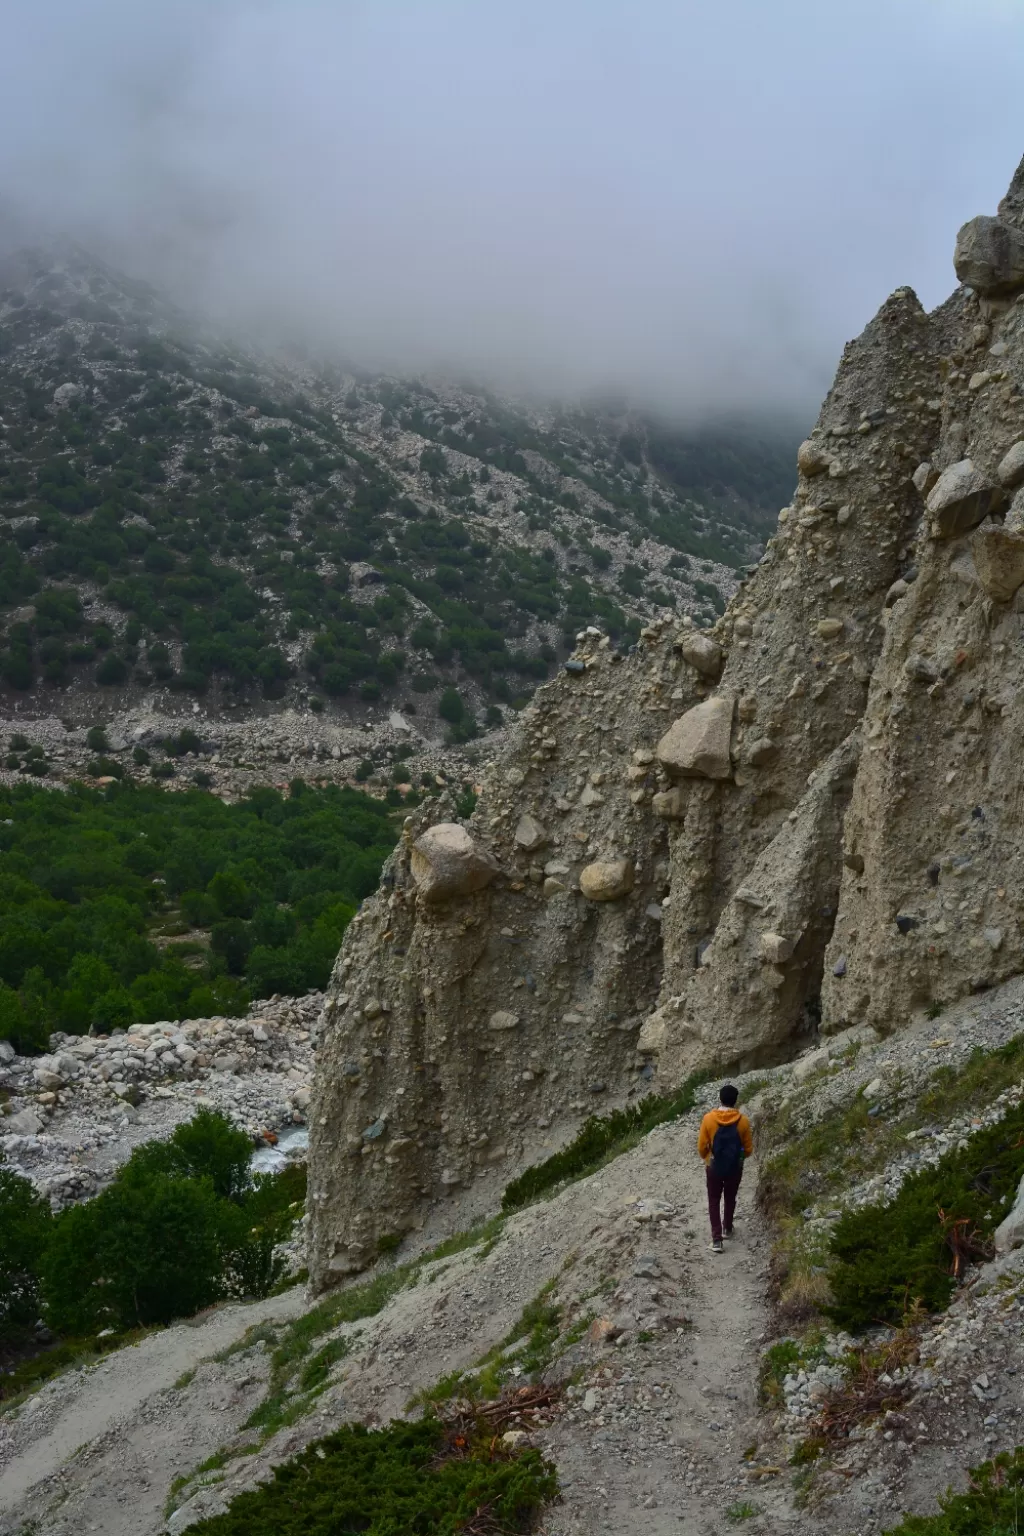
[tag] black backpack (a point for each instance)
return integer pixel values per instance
(726, 1151)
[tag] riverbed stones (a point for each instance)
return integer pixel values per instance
(697, 745)
(447, 863)
(606, 879)
(961, 498)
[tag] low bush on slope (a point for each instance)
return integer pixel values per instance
(600, 1138)
(402, 1479)
(993, 1506)
(183, 1225)
(87, 877)
(890, 1258)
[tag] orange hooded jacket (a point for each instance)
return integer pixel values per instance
(722, 1116)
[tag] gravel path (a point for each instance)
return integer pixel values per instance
(84, 1407)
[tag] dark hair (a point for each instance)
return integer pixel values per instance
(728, 1095)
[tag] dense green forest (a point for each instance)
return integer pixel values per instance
(134, 904)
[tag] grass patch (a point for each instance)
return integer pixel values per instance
(892, 1259)
(993, 1505)
(184, 1379)
(526, 1351)
(742, 1510)
(600, 1139)
(406, 1477)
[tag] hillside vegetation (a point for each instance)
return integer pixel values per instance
(133, 904)
(180, 514)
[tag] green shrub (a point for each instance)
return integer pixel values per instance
(888, 1259)
(162, 771)
(102, 767)
(600, 1137)
(992, 1506)
(181, 1226)
(146, 1250)
(402, 1478)
(96, 739)
(25, 1225)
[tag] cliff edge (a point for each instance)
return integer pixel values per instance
(701, 852)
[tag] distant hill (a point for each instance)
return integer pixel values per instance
(180, 514)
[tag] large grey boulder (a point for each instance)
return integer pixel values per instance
(697, 745)
(25, 1123)
(999, 561)
(961, 498)
(989, 256)
(702, 653)
(446, 862)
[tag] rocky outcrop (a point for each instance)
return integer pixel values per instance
(713, 846)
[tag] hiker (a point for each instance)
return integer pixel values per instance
(723, 1143)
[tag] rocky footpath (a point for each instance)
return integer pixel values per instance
(70, 1118)
(704, 850)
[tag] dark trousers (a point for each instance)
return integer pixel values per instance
(717, 1187)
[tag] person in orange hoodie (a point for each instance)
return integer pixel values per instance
(723, 1143)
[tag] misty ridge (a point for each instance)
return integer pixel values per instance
(694, 211)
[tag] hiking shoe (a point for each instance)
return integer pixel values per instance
(730, 1232)
(718, 1246)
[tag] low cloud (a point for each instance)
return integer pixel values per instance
(694, 204)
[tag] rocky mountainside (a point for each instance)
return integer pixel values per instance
(701, 853)
(191, 526)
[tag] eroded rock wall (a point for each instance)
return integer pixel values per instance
(693, 854)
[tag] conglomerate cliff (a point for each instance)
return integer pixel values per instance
(808, 817)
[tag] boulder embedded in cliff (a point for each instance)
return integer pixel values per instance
(530, 835)
(671, 804)
(607, 879)
(999, 561)
(989, 256)
(702, 654)
(446, 862)
(961, 497)
(810, 458)
(1011, 466)
(697, 745)
(775, 948)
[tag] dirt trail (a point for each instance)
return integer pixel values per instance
(653, 1436)
(681, 1465)
(109, 1397)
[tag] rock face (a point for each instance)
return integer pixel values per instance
(818, 803)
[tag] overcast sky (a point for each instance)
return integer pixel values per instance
(697, 201)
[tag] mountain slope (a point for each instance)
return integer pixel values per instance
(182, 515)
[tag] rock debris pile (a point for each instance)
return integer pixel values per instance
(73, 1116)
